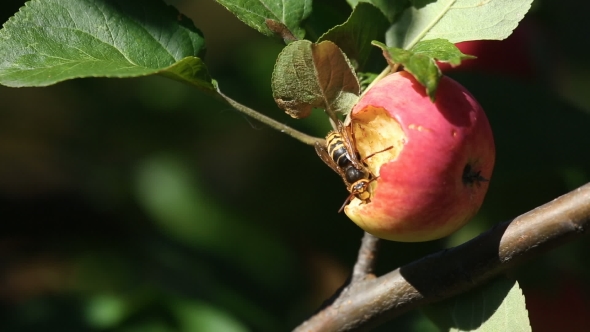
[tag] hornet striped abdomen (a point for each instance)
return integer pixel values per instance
(341, 155)
(337, 150)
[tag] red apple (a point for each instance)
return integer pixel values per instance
(435, 177)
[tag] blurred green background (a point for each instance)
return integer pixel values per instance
(144, 205)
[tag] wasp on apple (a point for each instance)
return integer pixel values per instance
(341, 154)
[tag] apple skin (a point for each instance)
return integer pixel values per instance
(421, 193)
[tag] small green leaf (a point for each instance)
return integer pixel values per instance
(308, 75)
(420, 61)
(457, 21)
(353, 35)
(391, 9)
(192, 71)
(54, 40)
(366, 78)
(255, 13)
(420, 65)
(497, 306)
(441, 50)
(425, 70)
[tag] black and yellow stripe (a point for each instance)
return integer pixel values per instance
(337, 150)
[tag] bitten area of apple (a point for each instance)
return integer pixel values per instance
(434, 179)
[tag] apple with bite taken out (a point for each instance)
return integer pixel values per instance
(435, 177)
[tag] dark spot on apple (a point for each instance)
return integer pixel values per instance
(472, 176)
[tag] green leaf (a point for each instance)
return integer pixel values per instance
(391, 9)
(497, 306)
(420, 61)
(323, 18)
(353, 35)
(420, 65)
(366, 78)
(425, 70)
(309, 75)
(255, 13)
(457, 21)
(192, 71)
(441, 50)
(54, 40)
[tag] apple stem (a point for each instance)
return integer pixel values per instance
(283, 128)
(332, 117)
(386, 71)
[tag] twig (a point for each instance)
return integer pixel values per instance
(365, 262)
(302, 137)
(363, 268)
(447, 273)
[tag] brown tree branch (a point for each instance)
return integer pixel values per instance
(365, 262)
(370, 302)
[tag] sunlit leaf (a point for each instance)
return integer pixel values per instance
(442, 50)
(457, 21)
(54, 40)
(391, 9)
(497, 306)
(420, 61)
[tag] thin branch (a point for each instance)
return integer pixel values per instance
(365, 262)
(447, 273)
(302, 137)
(363, 268)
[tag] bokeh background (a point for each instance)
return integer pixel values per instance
(144, 205)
